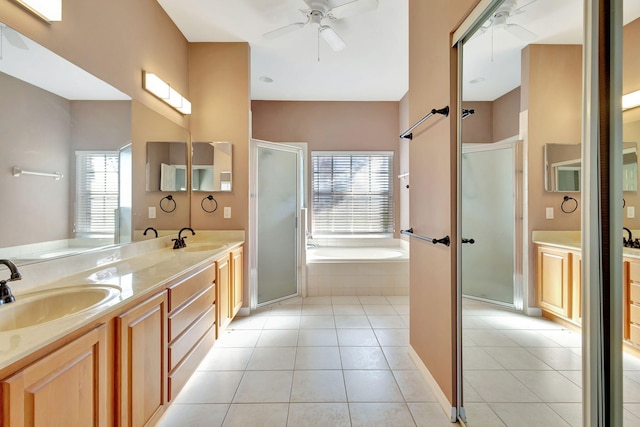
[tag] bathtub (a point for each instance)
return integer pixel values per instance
(358, 267)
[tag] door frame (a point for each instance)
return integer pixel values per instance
(253, 219)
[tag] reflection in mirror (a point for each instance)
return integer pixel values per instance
(563, 166)
(211, 166)
(59, 118)
(166, 167)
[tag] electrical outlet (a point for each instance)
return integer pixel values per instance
(549, 213)
(631, 212)
(227, 212)
(152, 212)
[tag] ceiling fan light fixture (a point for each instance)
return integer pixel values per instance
(332, 38)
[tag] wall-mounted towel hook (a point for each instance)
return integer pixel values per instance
(169, 207)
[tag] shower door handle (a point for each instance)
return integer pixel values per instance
(470, 241)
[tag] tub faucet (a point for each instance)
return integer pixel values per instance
(179, 242)
(627, 242)
(150, 229)
(6, 296)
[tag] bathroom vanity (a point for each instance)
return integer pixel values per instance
(558, 275)
(122, 360)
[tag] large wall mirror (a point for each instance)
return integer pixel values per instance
(211, 166)
(166, 168)
(60, 121)
(563, 167)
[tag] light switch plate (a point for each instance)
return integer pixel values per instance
(549, 213)
(227, 212)
(631, 212)
(152, 212)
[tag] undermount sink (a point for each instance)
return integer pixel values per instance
(197, 247)
(45, 306)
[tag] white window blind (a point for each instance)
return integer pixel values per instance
(96, 192)
(352, 193)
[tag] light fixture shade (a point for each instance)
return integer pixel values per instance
(49, 10)
(164, 91)
(631, 100)
(332, 38)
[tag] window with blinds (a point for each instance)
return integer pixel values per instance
(352, 193)
(96, 192)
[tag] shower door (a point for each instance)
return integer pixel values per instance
(277, 204)
(488, 217)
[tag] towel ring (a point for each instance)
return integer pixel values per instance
(170, 199)
(568, 210)
(215, 204)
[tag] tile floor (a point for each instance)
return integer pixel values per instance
(321, 361)
(342, 361)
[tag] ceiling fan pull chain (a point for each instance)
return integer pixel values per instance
(318, 44)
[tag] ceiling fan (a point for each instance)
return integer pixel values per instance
(320, 10)
(499, 21)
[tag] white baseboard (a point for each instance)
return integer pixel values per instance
(533, 311)
(449, 410)
(244, 311)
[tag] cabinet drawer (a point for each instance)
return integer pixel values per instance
(185, 289)
(185, 315)
(634, 313)
(634, 271)
(185, 342)
(634, 334)
(181, 373)
(634, 293)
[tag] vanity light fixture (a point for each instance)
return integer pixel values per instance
(49, 10)
(165, 92)
(631, 100)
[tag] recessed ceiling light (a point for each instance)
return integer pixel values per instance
(266, 79)
(476, 80)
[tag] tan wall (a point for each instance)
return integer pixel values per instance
(333, 126)
(405, 187)
(553, 85)
(492, 121)
(432, 84)
(506, 115)
(114, 40)
(631, 118)
(221, 111)
(35, 137)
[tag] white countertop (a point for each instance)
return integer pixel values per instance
(571, 240)
(138, 269)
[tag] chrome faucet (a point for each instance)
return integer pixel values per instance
(6, 296)
(150, 229)
(179, 242)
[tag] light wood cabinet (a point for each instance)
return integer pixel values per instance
(66, 388)
(576, 287)
(237, 268)
(223, 284)
(142, 362)
(192, 318)
(553, 280)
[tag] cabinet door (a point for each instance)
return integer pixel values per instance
(553, 286)
(576, 287)
(223, 302)
(236, 281)
(142, 371)
(66, 388)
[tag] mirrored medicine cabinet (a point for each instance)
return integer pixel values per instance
(211, 164)
(563, 167)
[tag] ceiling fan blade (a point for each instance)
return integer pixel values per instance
(332, 38)
(351, 8)
(520, 32)
(283, 30)
(13, 37)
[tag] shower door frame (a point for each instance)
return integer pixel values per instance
(516, 145)
(253, 218)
